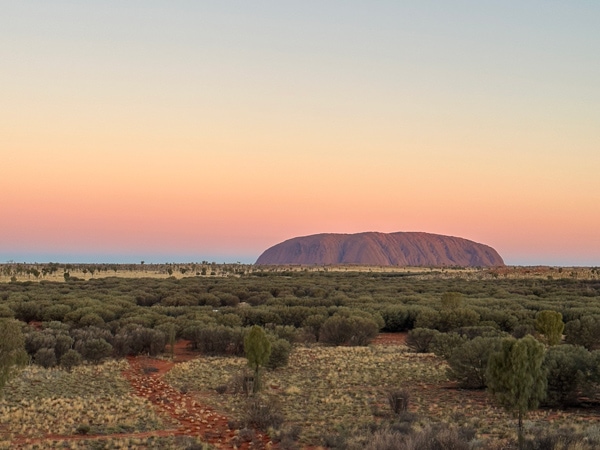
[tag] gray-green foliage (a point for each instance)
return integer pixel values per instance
(451, 300)
(45, 357)
(70, 359)
(419, 340)
(517, 378)
(12, 349)
(584, 331)
(280, 353)
(550, 325)
(444, 344)
(468, 362)
(569, 370)
(353, 330)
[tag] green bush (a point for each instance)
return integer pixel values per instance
(280, 354)
(584, 331)
(70, 359)
(468, 362)
(396, 319)
(94, 350)
(353, 330)
(569, 368)
(45, 357)
(444, 344)
(419, 340)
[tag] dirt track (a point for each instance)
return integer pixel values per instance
(191, 418)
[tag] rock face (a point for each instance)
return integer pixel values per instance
(381, 249)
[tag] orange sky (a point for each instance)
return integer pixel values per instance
(187, 132)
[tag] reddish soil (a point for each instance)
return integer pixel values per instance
(190, 416)
(390, 339)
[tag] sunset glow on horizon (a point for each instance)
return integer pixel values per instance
(190, 131)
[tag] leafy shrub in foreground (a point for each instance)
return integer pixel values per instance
(568, 369)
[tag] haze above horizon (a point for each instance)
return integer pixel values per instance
(189, 131)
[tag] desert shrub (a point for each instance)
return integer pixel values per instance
(291, 315)
(313, 324)
(504, 320)
(45, 357)
(387, 440)
(550, 325)
(396, 319)
(468, 362)
(287, 332)
(91, 320)
(55, 312)
(6, 312)
(451, 300)
(263, 413)
(147, 298)
(229, 320)
(135, 340)
(451, 319)
(94, 350)
(280, 354)
(584, 331)
(437, 437)
(227, 299)
(480, 331)
(70, 359)
(398, 400)
(242, 383)
(353, 330)
(208, 299)
(63, 343)
(444, 344)
(56, 327)
(83, 429)
(543, 438)
(28, 311)
(82, 334)
(36, 340)
(259, 316)
(522, 330)
(216, 340)
(568, 369)
(427, 318)
(419, 339)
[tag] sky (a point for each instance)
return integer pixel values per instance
(183, 131)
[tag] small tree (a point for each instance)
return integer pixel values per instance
(550, 324)
(258, 350)
(516, 377)
(12, 349)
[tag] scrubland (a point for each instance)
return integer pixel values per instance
(327, 384)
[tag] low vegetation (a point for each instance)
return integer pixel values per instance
(289, 352)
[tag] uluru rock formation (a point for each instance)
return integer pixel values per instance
(382, 249)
